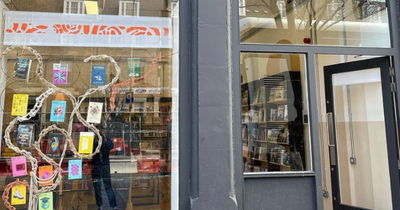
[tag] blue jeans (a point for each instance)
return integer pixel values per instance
(103, 177)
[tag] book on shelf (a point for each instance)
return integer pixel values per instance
(281, 113)
(277, 94)
(22, 68)
(263, 153)
(262, 134)
(25, 135)
(118, 146)
(244, 132)
(273, 114)
(254, 134)
(261, 94)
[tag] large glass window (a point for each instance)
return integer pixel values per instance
(318, 22)
(275, 131)
(109, 70)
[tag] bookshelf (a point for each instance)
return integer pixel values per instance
(272, 129)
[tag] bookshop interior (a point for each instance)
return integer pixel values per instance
(59, 98)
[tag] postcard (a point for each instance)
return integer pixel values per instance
(94, 112)
(58, 109)
(25, 134)
(86, 142)
(46, 201)
(74, 169)
(60, 74)
(98, 75)
(19, 104)
(22, 68)
(18, 195)
(18, 165)
(45, 174)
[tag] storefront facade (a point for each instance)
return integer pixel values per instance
(246, 104)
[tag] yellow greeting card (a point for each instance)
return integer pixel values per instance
(86, 142)
(19, 104)
(18, 195)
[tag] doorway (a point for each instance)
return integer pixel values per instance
(361, 136)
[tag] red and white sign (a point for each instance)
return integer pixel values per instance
(57, 29)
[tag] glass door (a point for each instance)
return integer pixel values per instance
(361, 134)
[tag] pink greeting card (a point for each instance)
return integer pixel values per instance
(18, 166)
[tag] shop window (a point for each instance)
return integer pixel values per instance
(356, 23)
(275, 131)
(129, 67)
(129, 8)
(74, 7)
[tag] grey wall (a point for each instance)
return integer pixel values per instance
(280, 193)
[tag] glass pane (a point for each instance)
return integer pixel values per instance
(275, 130)
(361, 140)
(137, 116)
(317, 22)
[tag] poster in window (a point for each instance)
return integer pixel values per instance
(74, 169)
(46, 201)
(60, 74)
(18, 165)
(18, 195)
(86, 142)
(98, 75)
(25, 134)
(19, 104)
(58, 109)
(45, 174)
(94, 112)
(22, 68)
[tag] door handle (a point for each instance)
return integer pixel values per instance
(330, 129)
(331, 138)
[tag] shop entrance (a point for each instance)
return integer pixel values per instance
(361, 135)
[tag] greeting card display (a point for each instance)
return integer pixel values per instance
(18, 165)
(75, 169)
(19, 104)
(58, 109)
(94, 112)
(45, 174)
(25, 134)
(22, 68)
(46, 201)
(18, 195)
(98, 75)
(60, 74)
(86, 142)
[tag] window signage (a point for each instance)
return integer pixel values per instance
(57, 29)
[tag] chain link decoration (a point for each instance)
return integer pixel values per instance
(6, 193)
(57, 175)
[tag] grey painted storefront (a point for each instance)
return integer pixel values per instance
(211, 174)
